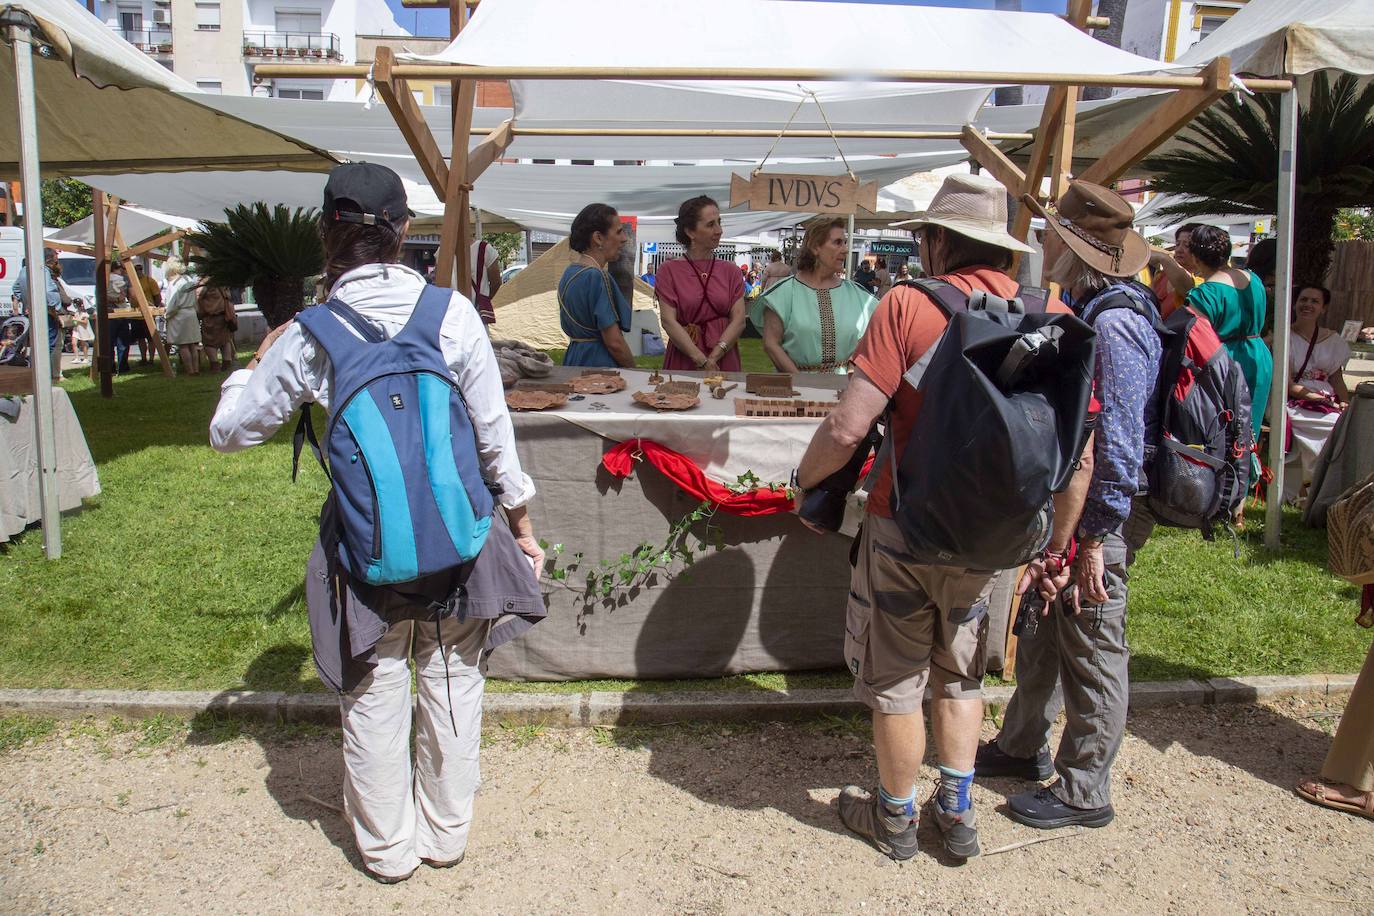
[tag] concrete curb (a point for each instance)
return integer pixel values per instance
(600, 708)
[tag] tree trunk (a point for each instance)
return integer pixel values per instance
(1312, 244)
(279, 298)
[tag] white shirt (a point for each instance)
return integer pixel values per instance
(479, 271)
(254, 404)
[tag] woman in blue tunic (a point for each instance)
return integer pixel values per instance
(591, 308)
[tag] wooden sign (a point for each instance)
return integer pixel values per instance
(803, 193)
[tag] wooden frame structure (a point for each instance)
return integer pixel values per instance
(106, 225)
(1051, 156)
(452, 179)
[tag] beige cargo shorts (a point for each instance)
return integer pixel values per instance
(910, 623)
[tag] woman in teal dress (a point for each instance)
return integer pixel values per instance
(591, 309)
(812, 321)
(1234, 302)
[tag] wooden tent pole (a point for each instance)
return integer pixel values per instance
(757, 74)
(405, 112)
(455, 236)
(102, 367)
(136, 293)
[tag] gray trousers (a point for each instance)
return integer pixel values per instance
(1079, 664)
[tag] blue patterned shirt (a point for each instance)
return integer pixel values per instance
(1125, 377)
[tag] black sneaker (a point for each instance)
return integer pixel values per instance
(1043, 809)
(993, 761)
(862, 813)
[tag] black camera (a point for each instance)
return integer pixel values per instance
(823, 505)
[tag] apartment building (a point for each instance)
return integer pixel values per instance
(1164, 29)
(217, 44)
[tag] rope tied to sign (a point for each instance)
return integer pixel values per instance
(807, 93)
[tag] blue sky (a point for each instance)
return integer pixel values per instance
(435, 22)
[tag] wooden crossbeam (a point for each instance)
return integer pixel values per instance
(993, 160)
(141, 301)
(1050, 117)
(405, 111)
(490, 149)
(166, 238)
(73, 247)
(1163, 121)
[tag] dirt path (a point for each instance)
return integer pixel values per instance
(680, 820)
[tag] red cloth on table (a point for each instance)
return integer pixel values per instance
(678, 468)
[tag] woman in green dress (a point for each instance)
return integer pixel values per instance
(812, 321)
(1234, 302)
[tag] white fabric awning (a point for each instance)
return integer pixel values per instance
(535, 196)
(104, 106)
(762, 34)
(136, 224)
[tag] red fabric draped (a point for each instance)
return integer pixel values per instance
(693, 481)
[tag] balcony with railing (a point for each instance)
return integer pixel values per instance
(308, 45)
(156, 42)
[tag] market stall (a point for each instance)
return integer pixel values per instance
(614, 475)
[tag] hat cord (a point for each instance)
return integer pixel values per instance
(1106, 248)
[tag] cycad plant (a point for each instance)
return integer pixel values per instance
(1229, 164)
(272, 251)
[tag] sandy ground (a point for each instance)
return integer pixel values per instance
(673, 820)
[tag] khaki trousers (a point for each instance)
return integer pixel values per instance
(1351, 758)
(403, 812)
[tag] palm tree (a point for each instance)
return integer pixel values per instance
(1229, 164)
(271, 251)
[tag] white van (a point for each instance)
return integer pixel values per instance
(11, 260)
(78, 275)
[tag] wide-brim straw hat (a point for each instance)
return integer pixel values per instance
(973, 206)
(1098, 225)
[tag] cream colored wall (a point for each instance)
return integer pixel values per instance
(198, 55)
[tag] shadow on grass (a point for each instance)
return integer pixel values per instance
(296, 771)
(147, 410)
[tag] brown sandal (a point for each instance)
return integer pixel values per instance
(1314, 790)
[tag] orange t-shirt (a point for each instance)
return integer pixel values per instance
(905, 325)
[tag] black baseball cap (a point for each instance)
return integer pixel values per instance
(364, 192)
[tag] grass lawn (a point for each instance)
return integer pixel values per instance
(186, 573)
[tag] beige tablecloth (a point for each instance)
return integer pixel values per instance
(76, 474)
(773, 601)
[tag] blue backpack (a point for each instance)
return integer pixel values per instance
(411, 497)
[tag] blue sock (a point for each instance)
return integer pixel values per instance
(897, 806)
(955, 787)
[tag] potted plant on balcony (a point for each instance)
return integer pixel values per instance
(251, 48)
(272, 251)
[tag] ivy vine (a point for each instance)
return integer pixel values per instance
(640, 566)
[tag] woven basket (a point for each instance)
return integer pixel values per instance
(1350, 533)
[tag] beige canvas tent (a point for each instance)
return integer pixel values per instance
(527, 306)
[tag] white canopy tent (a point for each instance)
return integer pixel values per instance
(104, 106)
(92, 103)
(535, 196)
(1298, 37)
(136, 224)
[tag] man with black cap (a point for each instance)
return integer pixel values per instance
(1076, 655)
(403, 813)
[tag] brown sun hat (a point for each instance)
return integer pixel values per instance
(1096, 223)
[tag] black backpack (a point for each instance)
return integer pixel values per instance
(1198, 463)
(1000, 430)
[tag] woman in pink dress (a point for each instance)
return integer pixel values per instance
(700, 297)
